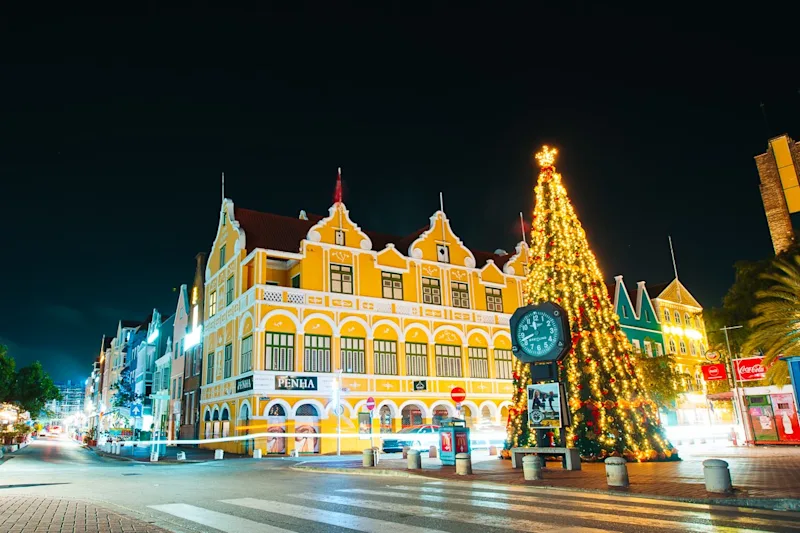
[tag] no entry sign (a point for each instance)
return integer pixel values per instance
(370, 403)
(458, 394)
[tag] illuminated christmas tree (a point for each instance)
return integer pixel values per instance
(611, 412)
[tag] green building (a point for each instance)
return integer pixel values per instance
(637, 317)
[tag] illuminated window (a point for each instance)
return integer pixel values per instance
(460, 294)
(636, 346)
(478, 362)
(342, 279)
(666, 315)
(431, 291)
(353, 355)
(659, 349)
(416, 358)
(246, 357)
(212, 304)
(502, 364)
(229, 291)
(278, 351)
(385, 357)
(692, 348)
(222, 256)
(687, 320)
(392, 285)
(228, 362)
(448, 361)
(677, 318)
(494, 300)
(671, 346)
(648, 348)
(683, 347)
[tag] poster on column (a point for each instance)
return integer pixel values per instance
(785, 417)
(544, 406)
(365, 425)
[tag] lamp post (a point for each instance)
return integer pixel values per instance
(336, 397)
(738, 408)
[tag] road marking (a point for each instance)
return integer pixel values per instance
(360, 523)
(634, 500)
(487, 520)
(549, 510)
(630, 506)
(223, 522)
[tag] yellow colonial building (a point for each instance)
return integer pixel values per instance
(297, 308)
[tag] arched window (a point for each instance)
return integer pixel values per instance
(677, 318)
(683, 347)
(671, 346)
(692, 348)
(697, 323)
(307, 410)
(208, 416)
(216, 415)
(411, 416)
(225, 414)
(277, 410)
(687, 320)
(666, 315)
(486, 414)
(244, 414)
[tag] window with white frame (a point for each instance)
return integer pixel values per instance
(494, 299)
(503, 364)
(385, 353)
(416, 359)
(342, 279)
(659, 349)
(677, 316)
(431, 291)
(229, 291)
(683, 347)
(317, 353)
(246, 357)
(442, 253)
(478, 362)
(448, 361)
(278, 351)
(648, 348)
(636, 346)
(222, 253)
(210, 368)
(392, 284)
(353, 355)
(666, 315)
(672, 346)
(692, 348)
(212, 303)
(687, 320)
(228, 367)
(460, 293)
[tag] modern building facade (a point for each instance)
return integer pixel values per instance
(297, 309)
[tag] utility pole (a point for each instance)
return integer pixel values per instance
(739, 409)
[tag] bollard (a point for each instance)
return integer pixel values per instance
(377, 453)
(368, 457)
(717, 475)
(492, 450)
(257, 453)
(463, 464)
(414, 460)
(432, 453)
(181, 456)
(616, 472)
(532, 468)
(116, 448)
(405, 452)
(219, 454)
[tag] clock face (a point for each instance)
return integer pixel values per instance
(538, 333)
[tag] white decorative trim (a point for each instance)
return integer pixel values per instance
(357, 320)
(365, 244)
(480, 333)
(459, 333)
(521, 248)
(391, 405)
(325, 318)
(501, 333)
(241, 408)
(281, 312)
(390, 324)
(421, 327)
(314, 236)
(469, 262)
(242, 320)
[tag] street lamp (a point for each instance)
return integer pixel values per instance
(738, 408)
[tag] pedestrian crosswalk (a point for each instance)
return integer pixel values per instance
(466, 507)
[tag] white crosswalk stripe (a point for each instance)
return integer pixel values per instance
(482, 505)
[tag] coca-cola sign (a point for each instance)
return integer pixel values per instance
(749, 369)
(714, 372)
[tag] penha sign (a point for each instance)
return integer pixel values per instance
(749, 369)
(296, 383)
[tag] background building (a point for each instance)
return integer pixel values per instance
(780, 189)
(68, 411)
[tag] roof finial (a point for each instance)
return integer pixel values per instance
(546, 157)
(441, 208)
(674, 266)
(223, 187)
(337, 192)
(522, 227)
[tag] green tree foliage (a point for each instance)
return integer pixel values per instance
(125, 391)
(34, 388)
(776, 326)
(660, 379)
(29, 387)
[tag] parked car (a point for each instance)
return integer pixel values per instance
(417, 438)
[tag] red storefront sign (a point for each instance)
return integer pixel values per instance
(714, 372)
(749, 369)
(461, 443)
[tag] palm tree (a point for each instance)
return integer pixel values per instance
(776, 327)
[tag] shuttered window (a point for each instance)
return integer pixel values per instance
(503, 364)
(448, 361)
(478, 362)
(385, 357)
(416, 359)
(279, 351)
(317, 355)
(353, 356)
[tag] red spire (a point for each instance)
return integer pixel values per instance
(337, 193)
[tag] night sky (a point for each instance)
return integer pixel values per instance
(114, 132)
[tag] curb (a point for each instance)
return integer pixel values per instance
(132, 460)
(361, 472)
(771, 504)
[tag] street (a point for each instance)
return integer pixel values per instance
(268, 496)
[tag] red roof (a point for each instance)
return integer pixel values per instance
(277, 232)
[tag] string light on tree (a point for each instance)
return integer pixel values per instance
(612, 413)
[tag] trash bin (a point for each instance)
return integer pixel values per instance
(453, 439)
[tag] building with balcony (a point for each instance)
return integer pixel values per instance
(296, 308)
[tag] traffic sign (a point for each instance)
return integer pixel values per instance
(136, 409)
(458, 394)
(370, 403)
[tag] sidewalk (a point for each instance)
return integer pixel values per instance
(142, 454)
(762, 477)
(22, 514)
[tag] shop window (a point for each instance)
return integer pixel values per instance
(411, 415)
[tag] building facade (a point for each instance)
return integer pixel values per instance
(193, 355)
(180, 329)
(780, 188)
(298, 308)
(638, 318)
(68, 411)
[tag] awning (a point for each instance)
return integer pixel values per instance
(721, 396)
